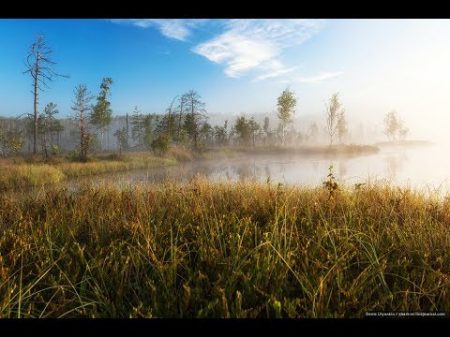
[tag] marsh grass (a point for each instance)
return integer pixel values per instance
(181, 154)
(31, 171)
(16, 174)
(20, 175)
(75, 170)
(223, 250)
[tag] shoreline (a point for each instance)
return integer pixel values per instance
(18, 173)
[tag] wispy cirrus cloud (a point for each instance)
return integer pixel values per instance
(246, 45)
(178, 29)
(274, 69)
(256, 45)
(319, 77)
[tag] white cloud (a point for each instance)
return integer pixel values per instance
(246, 44)
(274, 69)
(179, 29)
(319, 77)
(257, 44)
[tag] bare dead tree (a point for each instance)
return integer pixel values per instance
(40, 67)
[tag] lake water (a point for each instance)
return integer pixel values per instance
(421, 166)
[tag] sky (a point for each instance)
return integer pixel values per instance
(240, 66)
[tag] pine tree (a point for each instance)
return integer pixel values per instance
(101, 115)
(81, 107)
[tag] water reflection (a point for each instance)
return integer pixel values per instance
(342, 172)
(245, 171)
(267, 171)
(394, 164)
(422, 166)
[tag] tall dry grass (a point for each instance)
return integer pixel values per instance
(20, 175)
(131, 162)
(16, 174)
(223, 250)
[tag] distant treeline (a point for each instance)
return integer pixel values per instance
(92, 128)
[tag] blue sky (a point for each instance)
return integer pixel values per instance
(238, 66)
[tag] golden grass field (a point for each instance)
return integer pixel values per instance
(207, 249)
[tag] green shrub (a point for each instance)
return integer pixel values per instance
(160, 145)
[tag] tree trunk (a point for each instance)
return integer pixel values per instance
(45, 145)
(194, 124)
(102, 136)
(128, 131)
(81, 136)
(107, 139)
(35, 112)
(179, 121)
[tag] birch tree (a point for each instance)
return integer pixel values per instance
(286, 109)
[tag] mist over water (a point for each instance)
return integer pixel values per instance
(423, 167)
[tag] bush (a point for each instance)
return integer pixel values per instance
(160, 145)
(55, 150)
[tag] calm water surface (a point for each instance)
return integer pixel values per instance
(421, 166)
